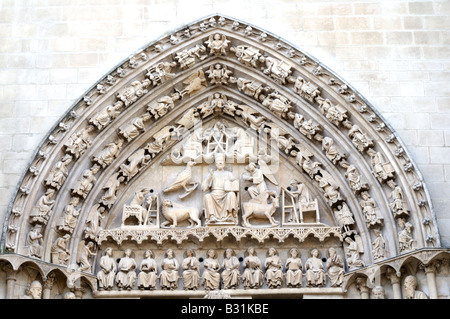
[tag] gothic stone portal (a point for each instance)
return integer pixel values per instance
(220, 161)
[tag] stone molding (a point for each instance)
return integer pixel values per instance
(129, 118)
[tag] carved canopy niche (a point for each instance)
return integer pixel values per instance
(110, 173)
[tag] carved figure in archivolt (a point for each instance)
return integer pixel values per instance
(221, 204)
(331, 192)
(109, 153)
(335, 268)
(133, 92)
(251, 88)
(305, 88)
(168, 277)
(70, 216)
(218, 44)
(166, 134)
(371, 213)
(252, 118)
(182, 181)
(278, 104)
(307, 127)
(381, 169)
(135, 163)
(43, 208)
(315, 272)
(107, 115)
(405, 238)
(194, 84)
(354, 179)
(218, 74)
(175, 213)
(126, 275)
(58, 174)
(230, 274)
(148, 272)
(398, 201)
(303, 159)
(336, 114)
(79, 142)
(161, 72)
(344, 217)
(211, 275)
(354, 249)
(107, 272)
(359, 138)
(34, 241)
(253, 276)
(84, 254)
(188, 57)
(379, 245)
(274, 269)
(135, 127)
(331, 151)
(294, 269)
(264, 202)
(279, 70)
(59, 253)
(111, 187)
(191, 271)
(284, 140)
(163, 105)
(248, 55)
(217, 103)
(93, 222)
(85, 184)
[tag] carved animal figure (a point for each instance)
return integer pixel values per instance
(260, 209)
(182, 180)
(174, 213)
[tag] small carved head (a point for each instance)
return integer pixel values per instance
(167, 203)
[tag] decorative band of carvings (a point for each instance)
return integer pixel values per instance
(180, 235)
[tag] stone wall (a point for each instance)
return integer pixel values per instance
(395, 53)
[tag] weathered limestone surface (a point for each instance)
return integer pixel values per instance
(394, 54)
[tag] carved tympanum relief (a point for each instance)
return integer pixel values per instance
(215, 135)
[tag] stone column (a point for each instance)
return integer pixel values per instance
(395, 282)
(78, 293)
(361, 285)
(48, 284)
(430, 271)
(11, 276)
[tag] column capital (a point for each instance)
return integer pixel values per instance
(431, 267)
(361, 285)
(393, 276)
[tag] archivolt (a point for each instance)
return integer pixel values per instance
(262, 77)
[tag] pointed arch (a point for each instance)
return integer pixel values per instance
(264, 84)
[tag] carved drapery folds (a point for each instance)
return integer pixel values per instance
(221, 131)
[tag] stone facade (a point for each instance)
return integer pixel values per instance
(322, 25)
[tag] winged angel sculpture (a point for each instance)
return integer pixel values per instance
(264, 202)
